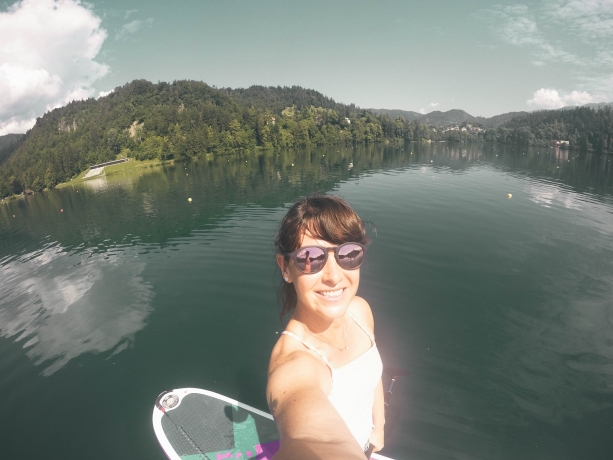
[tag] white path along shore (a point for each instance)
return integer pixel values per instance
(93, 172)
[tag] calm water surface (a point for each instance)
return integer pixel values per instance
(501, 309)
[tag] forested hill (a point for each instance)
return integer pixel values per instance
(395, 113)
(450, 117)
(8, 144)
(277, 99)
(585, 128)
(186, 119)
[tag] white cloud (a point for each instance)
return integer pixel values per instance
(132, 27)
(104, 93)
(46, 58)
(518, 25)
(431, 104)
(575, 33)
(589, 19)
(129, 13)
(549, 98)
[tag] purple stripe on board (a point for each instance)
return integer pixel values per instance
(262, 452)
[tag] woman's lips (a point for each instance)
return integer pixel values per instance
(332, 294)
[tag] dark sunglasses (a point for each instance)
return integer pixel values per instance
(312, 259)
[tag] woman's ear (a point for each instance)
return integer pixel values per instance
(284, 269)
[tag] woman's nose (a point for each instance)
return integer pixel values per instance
(332, 273)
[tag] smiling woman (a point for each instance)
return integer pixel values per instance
(324, 378)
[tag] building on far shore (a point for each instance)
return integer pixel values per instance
(560, 144)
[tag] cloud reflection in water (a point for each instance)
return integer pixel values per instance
(64, 304)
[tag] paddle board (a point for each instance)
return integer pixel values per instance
(195, 424)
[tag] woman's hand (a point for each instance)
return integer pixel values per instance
(376, 439)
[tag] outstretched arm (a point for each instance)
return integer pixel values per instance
(309, 425)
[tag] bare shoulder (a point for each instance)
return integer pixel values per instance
(361, 311)
(294, 369)
(289, 353)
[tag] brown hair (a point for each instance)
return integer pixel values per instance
(329, 218)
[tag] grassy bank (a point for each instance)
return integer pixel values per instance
(109, 171)
(129, 166)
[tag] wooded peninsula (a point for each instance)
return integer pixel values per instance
(189, 119)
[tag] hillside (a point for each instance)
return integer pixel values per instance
(186, 119)
(8, 144)
(393, 114)
(593, 105)
(585, 129)
(499, 120)
(451, 117)
(276, 99)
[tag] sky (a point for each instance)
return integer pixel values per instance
(485, 57)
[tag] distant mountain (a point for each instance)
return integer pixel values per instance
(9, 139)
(393, 114)
(451, 117)
(593, 105)
(454, 116)
(8, 144)
(499, 120)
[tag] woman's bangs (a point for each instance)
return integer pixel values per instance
(336, 227)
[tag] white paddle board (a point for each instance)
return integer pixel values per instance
(194, 424)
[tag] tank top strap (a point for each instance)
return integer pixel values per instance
(361, 327)
(310, 347)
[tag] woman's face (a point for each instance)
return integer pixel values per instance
(326, 294)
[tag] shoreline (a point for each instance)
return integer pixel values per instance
(131, 165)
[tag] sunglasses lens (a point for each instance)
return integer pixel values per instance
(350, 256)
(310, 259)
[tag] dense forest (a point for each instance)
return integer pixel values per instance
(8, 145)
(585, 128)
(188, 119)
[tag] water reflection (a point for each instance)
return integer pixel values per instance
(151, 198)
(62, 304)
(500, 308)
(548, 194)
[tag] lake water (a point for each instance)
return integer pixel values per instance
(500, 308)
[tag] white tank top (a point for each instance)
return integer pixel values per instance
(353, 387)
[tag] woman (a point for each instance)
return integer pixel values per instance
(324, 377)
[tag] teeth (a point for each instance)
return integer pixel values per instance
(336, 293)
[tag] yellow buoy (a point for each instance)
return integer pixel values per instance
(189, 199)
(509, 195)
